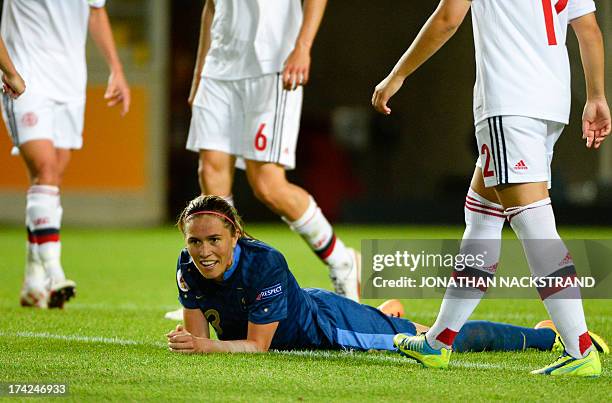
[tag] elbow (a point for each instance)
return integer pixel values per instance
(449, 24)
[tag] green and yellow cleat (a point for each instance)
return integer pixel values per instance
(566, 365)
(417, 348)
(558, 347)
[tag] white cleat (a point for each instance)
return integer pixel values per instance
(61, 292)
(347, 279)
(175, 315)
(33, 297)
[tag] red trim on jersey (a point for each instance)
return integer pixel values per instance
(483, 206)
(550, 23)
(584, 342)
(484, 212)
(447, 336)
(560, 6)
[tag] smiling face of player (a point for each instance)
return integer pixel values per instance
(210, 244)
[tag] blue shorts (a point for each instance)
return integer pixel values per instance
(350, 325)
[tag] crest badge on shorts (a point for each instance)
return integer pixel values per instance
(29, 119)
(180, 281)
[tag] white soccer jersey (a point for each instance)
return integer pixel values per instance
(46, 40)
(522, 66)
(251, 38)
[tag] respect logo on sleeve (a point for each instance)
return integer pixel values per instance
(270, 292)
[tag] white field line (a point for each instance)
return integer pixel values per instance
(371, 358)
(82, 339)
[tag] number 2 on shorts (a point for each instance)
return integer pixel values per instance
(486, 172)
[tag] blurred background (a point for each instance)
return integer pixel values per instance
(411, 167)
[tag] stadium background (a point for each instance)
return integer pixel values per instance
(412, 167)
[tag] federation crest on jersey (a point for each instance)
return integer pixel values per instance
(180, 281)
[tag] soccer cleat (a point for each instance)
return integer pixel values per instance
(175, 315)
(566, 365)
(558, 347)
(60, 293)
(392, 307)
(347, 280)
(416, 347)
(33, 297)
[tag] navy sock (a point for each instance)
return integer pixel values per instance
(481, 335)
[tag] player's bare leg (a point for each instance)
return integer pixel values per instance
(299, 210)
(531, 216)
(216, 172)
(44, 274)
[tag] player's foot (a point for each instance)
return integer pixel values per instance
(558, 347)
(175, 315)
(567, 365)
(347, 279)
(416, 347)
(392, 307)
(33, 297)
(60, 292)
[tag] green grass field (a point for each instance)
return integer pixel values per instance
(109, 342)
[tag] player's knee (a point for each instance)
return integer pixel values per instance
(46, 173)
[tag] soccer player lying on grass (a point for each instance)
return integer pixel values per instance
(244, 289)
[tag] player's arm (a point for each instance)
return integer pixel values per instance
(196, 323)
(259, 338)
(12, 82)
(596, 115)
(117, 90)
(438, 29)
(297, 65)
(203, 45)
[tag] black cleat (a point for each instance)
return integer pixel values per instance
(60, 293)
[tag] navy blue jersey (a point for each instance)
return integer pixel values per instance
(259, 288)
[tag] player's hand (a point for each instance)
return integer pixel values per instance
(181, 341)
(297, 68)
(384, 91)
(13, 85)
(118, 91)
(596, 122)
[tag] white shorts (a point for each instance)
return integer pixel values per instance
(253, 119)
(36, 117)
(516, 149)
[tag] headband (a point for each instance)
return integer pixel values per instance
(213, 213)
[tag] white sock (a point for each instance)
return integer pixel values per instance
(547, 255)
(314, 228)
(43, 218)
(484, 221)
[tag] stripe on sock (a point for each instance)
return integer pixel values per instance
(447, 336)
(584, 342)
(327, 250)
(563, 273)
(471, 272)
(485, 212)
(42, 236)
(474, 202)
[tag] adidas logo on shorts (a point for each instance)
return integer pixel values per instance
(521, 165)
